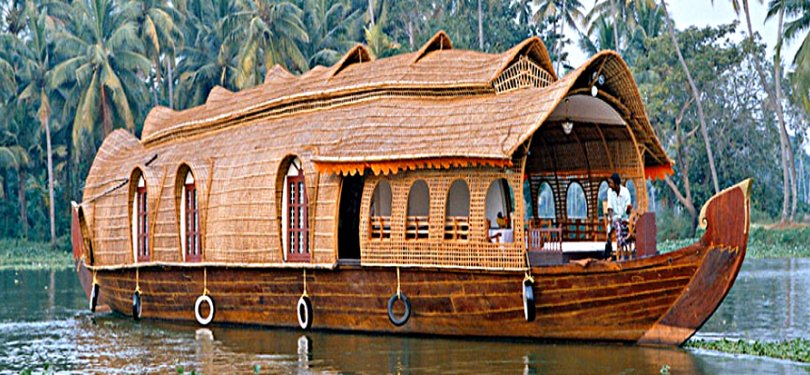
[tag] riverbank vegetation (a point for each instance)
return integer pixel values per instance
(764, 241)
(27, 255)
(793, 350)
(73, 71)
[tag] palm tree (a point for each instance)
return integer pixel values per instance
(17, 158)
(105, 59)
(774, 102)
(695, 96)
(8, 83)
(566, 12)
(332, 26)
(36, 67)
(798, 14)
(159, 29)
(524, 11)
(600, 37)
(273, 34)
(623, 13)
(209, 54)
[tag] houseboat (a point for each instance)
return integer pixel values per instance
(441, 192)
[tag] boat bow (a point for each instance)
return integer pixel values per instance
(726, 218)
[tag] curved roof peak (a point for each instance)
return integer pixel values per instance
(277, 74)
(157, 117)
(358, 54)
(218, 93)
(439, 41)
(533, 48)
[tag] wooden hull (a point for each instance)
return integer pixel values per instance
(658, 300)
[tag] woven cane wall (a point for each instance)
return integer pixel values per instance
(236, 178)
(473, 253)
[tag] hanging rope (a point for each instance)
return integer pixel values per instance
(305, 283)
(137, 281)
(95, 279)
(399, 289)
(205, 281)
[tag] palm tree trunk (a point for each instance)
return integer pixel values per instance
(170, 78)
(696, 96)
(616, 24)
(44, 116)
(21, 198)
(480, 27)
(562, 35)
(371, 11)
(682, 159)
(774, 102)
(777, 73)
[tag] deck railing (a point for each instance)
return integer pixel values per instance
(417, 227)
(380, 227)
(457, 228)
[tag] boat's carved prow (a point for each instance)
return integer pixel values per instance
(726, 217)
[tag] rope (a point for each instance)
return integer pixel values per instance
(399, 290)
(528, 277)
(137, 281)
(95, 280)
(305, 283)
(205, 281)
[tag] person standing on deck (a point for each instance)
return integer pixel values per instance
(619, 207)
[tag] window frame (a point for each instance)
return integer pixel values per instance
(417, 234)
(456, 228)
(142, 221)
(190, 212)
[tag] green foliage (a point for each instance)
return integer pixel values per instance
(26, 255)
(672, 223)
(88, 67)
(794, 350)
(763, 242)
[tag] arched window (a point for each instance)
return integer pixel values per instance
(545, 202)
(140, 219)
(601, 199)
(631, 187)
(457, 212)
(416, 221)
(295, 212)
(190, 219)
(499, 210)
(380, 211)
(576, 202)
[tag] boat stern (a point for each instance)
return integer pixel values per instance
(78, 243)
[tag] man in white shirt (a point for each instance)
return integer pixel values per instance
(619, 203)
(619, 207)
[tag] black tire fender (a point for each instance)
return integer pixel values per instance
(304, 312)
(137, 309)
(399, 321)
(201, 320)
(94, 297)
(529, 309)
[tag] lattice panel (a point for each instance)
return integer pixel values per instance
(523, 73)
(475, 252)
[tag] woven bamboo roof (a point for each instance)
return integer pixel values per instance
(436, 106)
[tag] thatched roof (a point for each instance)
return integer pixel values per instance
(436, 106)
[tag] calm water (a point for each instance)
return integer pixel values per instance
(43, 322)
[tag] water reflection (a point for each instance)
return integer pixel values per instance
(768, 302)
(43, 322)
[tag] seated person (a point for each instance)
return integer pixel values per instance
(502, 222)
(619, 208)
